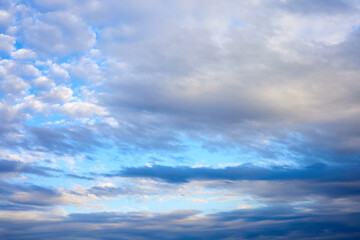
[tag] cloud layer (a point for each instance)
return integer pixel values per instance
(179, 119)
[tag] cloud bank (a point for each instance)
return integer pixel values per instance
(179, 119)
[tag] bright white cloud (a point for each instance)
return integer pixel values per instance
(23, 54)
(82, 109)
(58, 94)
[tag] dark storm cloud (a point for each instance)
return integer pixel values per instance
(275, 222)
(182, 174)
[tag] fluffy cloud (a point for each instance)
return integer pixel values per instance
(23, 54)
(58, 94)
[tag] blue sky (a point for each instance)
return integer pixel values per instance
(179, 119)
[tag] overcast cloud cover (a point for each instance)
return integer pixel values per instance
(184, 119)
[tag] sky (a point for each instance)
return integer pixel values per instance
(182, 119)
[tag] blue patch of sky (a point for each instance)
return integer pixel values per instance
(19, 45)
(76, 83)
(220, 157)
(4, 55)
(38, 120)
(195, 155)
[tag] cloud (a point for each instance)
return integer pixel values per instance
(58, 33)
(274, 184)
(42, 83)
(317, 6)
(31, 196)
(82, 109)
(79, 177)
(7, 166)
(276, 222)
(226, 85)
(23, 54)
(181, 174)
(64, 140)
(5, 20)
(58, 94)
(7, 43)
(92, 86)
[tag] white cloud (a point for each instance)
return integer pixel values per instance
(32, 103)
(23, 54)
(87, 69)
(82, 109)
(60, 94)
(14, 85)
(43, 83)
(11, 67)
(244, 207)
(6, 43)
(198, 200)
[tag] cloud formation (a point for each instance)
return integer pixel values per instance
(315, 172)
(242, 224)
(239, 119)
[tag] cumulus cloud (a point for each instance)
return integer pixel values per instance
(23, 54)
(43, 83)
(14, 86)
(58, 94)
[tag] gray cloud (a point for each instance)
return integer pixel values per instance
(64, 140)
(317, 172)
(318, 6)
(7, 166)
(277, 80)
(235, 81)
(57, 34)
(276, 222)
